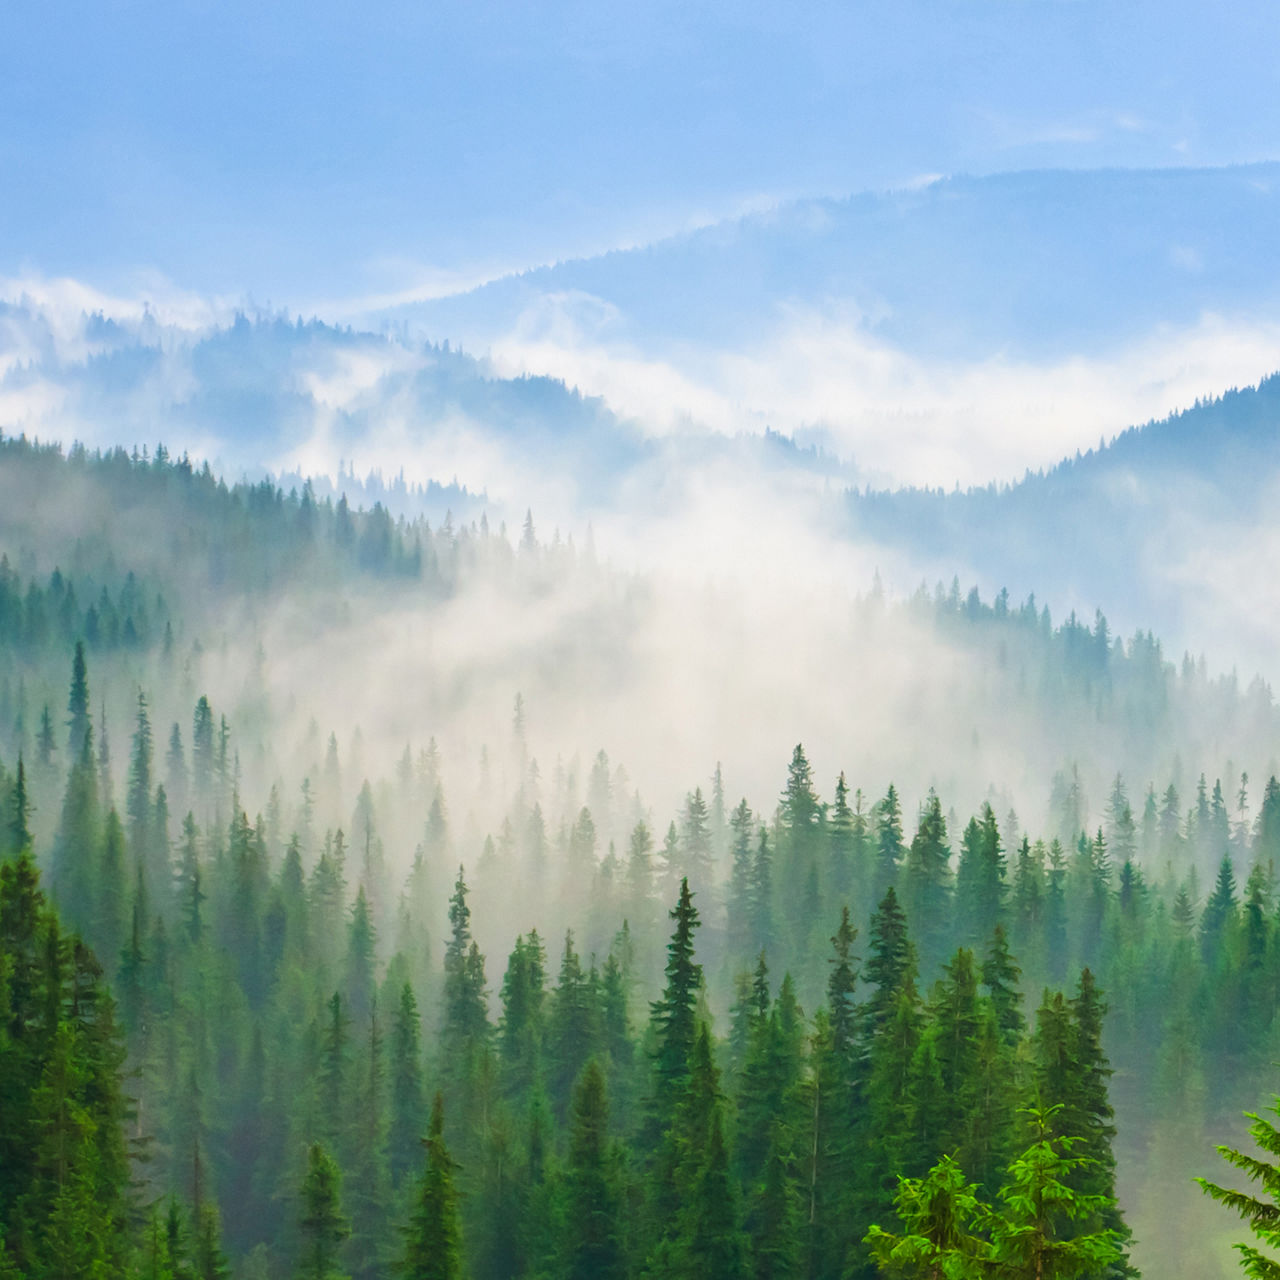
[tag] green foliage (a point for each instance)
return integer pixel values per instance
(595, 1248)
(940, 1216)
(949, 1233)
(321, 1221)
(433, 1244)
(1260, 1212)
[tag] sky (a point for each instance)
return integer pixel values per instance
(307, 155)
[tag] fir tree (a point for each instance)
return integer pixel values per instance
(78, 726)
(407, 1099)
(595, 1243)
(433, 1244)
(673, 1015)
(321, 1222)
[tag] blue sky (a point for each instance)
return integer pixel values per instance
(296, 153)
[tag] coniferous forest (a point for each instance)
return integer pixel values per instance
(282, 996)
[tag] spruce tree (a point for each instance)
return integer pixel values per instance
(1260, 1212)
(1045, 1227)
(889, 846)
(433, 1241)
(321, 1221)
(926, 881)
(408, 1107)
(980, 878)
(595, 1241)
(673, 1016)
(78, 726)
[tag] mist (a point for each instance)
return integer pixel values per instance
(481, 608)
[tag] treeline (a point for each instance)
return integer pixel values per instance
(578, 1145)
(244, 538)
(230, 556)
(36, 618)
(279, 991)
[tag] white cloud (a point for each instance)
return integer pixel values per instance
(63, 303)
(897, 415)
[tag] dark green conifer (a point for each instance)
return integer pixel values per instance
(321, 1221)
(595, 1249)
(433, 1243)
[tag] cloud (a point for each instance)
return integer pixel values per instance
(63, 302)
(899, 416)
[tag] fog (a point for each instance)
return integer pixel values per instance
(684, 604)
(718, 607)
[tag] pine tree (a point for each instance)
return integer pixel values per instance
(522, 1029)
(705, 1240)
(926, 881)
(761, 894)
(466, 1022)
(1000, 976)
(949, 1233)
(433, 1243)
(843, 843)
(1219, 913)
(890, 965)
(841, 983)
(1261, 1215)
(980, 878)
(1033, 1237)
(572, 1027)
(361, 948)
(889, 846)
(138, 800)
(321, 1221)
(595, 1241)
(741, 876)
(73, 873)
(44, 739)
(695, 839)
(208, 1260)
(333, 1073)
(774, 1216)
(673, 1016)
(639, 876)
(1091, 1112)
(407, 1099)
(19, 832)
(78, 726)
(941, 1217)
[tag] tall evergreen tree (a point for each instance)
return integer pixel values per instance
(433, 1243)
(595, 1246)
(78, 725)
(408, 1106)
(321, 1221)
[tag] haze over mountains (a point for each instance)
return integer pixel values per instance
(959, 331)
(986, 326)
(1031, 264)
(472, 477)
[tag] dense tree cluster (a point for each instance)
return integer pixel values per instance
(869, 1034)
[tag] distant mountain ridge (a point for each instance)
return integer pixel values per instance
(1021, 263)
(1167, 522)
(1168, 527)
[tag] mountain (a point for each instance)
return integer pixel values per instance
(1166, 528)
(420, 427)
(270, 394)
(1172, 525)
(1028, 264)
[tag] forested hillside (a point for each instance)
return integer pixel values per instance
(1161, 527)
(1168, 520)
(649, 1022)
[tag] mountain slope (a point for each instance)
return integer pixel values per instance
(1171, 525)
(1028, 263)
